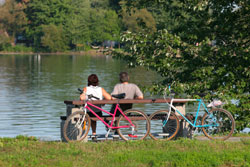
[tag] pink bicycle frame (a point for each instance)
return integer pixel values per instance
(113, 116)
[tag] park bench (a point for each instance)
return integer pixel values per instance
(73, 106)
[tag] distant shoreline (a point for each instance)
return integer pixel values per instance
(90, 52)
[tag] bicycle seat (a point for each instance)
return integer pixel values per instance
(119, 96)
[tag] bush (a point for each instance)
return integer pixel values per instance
(18, 48)
(4, 42)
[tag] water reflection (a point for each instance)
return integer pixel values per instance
(33, 88)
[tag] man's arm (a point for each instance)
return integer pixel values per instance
(138, 93)
(139, 97)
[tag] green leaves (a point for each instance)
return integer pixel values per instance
(53, 39)
(80, 23)
(204, 52)
(104, 25)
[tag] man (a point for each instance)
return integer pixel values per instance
(131, 90)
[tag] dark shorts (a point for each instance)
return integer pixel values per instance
(97, 111)
(92, 115)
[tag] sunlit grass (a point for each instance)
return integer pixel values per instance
(28, 151)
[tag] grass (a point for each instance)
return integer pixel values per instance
(241, 135)
(28, 151)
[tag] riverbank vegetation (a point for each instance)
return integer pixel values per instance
(28, 151)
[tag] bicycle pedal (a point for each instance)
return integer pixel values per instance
(132, 136)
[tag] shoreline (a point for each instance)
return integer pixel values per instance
(199, 138)
(90, 52)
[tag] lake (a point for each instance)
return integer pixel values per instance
(33, 89)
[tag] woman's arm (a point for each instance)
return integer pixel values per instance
(83, 95)
(106, 95)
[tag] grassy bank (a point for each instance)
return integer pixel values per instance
(26, 151)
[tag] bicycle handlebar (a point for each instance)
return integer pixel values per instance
(92, 96)
(80, 90)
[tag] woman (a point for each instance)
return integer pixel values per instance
(96, 91)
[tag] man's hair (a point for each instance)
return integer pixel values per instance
(123, 77)
(93, 80)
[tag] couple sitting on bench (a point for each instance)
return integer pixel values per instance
(131, 91)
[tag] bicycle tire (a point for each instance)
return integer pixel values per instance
(141, 122)
(159, 131)
(225, 128)
(73, 133)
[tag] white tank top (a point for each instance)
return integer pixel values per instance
(95, 91)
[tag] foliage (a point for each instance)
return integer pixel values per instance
(4, 41)
(29, 152)
(77, 24)
(53, 38)
(17, 48)
(164, 17)
(12, 20)
(40, 13)
(204, 52)
(47, 12)
(103, 4)
(138, 20)
(81, 24)
(104, 25)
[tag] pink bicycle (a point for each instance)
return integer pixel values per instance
(131, 124)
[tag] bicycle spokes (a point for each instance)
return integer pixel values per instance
(164, 125)
(220, 126)
(76, 127)
(136, 125)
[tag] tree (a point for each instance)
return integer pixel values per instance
(53, 38)
(207, 51)
(78, 22)
(4, 40)
(42, 13)
(12, 20)
(138, 20)
(104, 25)
(103, 4)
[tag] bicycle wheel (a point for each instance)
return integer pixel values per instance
(141, 127)
(75, 128)
(162, 129)
(221, 124)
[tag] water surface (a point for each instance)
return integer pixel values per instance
(33, 88)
